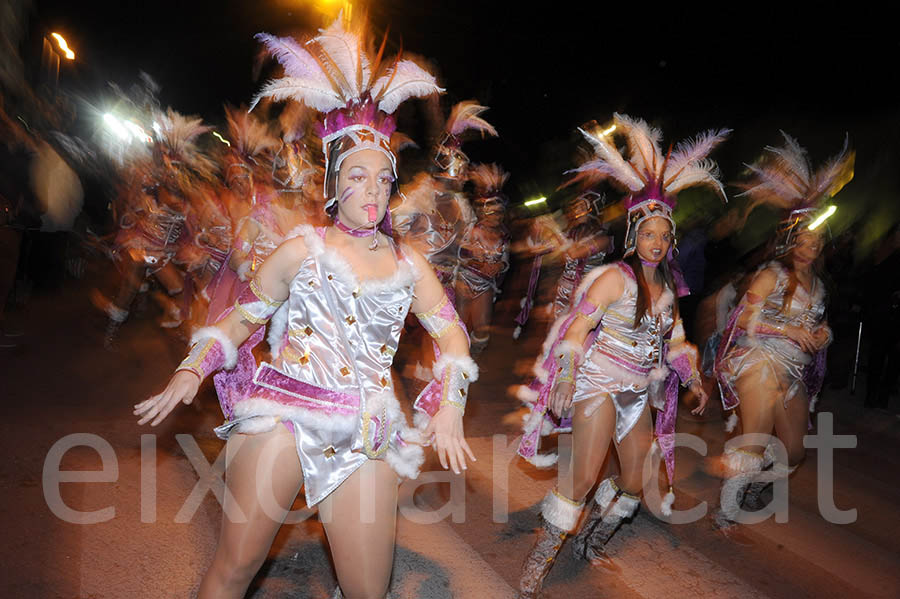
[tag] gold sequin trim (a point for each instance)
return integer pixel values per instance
(567, 500)
(247, 316)
(434, 310)
(261, 295)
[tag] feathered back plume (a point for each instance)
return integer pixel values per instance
(465, 116)
(647, 170)
(332, 71)
(488, 179)
(250, 136)
(784, 177)
(177, 134)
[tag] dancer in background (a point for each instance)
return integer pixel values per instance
(771, 360)
(607, 361)
(483, 254)
(324, 414)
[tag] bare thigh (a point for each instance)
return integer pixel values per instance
(360, 519)
(591, 436)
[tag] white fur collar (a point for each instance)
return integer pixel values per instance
(405, 274)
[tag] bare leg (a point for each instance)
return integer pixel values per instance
(262, 474)
(791, 423)
(360, 519)
(632, 452)
(591, 436)
(759, 389)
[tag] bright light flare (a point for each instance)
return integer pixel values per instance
(536, 201)
(222, 139)
(608, 131)
(63, 45)
(116, 126)
(822, 218)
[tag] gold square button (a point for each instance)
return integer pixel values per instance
(345, 371)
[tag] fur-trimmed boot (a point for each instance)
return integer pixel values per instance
(612, 506)
(560, 516)
(742, 467)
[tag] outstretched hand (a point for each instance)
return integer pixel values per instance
(561, 398)
(446, 434)
(702, 398)
(182, 388)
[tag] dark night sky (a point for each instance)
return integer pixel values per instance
(817, 73)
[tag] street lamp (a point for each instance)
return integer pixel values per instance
(63, 46)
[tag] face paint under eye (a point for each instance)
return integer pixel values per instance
(346, 195)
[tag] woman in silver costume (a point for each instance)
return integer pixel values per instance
(324, 414)
(771, 360)
(483, 254)
(619, 352)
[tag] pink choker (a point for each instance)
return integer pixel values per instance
(649, 263)
(359, 231)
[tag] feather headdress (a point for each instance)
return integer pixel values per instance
(464, 117)
(249, 136)
(177, 136)
(651, 178)
(333, 74)
(488, 179)
(784, 178)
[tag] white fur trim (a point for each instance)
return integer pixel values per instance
(560, 513)
(517, 331)
(523, 393)
(685, 347)
(667, 503)
(566, 346)
(523, 301)
(277, 328)
(421, 420)
(532, 421)
(406, 460)
(738, 462)
(543, 460)
(663, 302)
(812, 404)
(625, 506)
(729, 499)
(464, 364)
(658, 374)
(732, 422)
(606, 492)
(116, 314)
(547, 427)
(254, 407)
(406, 273)
(243, 269)
(781, 471)
(227, 346)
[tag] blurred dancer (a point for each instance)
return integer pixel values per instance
(583, 246)
(435, 225)
(483, 254)
(608, 360)
(771, 360)
(324, 414)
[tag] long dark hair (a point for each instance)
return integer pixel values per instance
(663, 276)
(818, 271)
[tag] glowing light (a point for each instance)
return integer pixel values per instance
(822, 217)
(63, 45)
(608, 131)
(116, 126)
(222, 139)
(536, 201)
(137, 131)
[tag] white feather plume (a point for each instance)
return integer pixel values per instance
(402, 81)
(465, 116)
(344, 50)
(487, 178)
(613, 165)
(702, 172)
(308, 91)
(694, 151)
(295, 59)
(643, 144)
